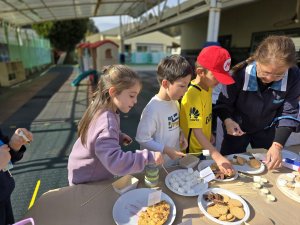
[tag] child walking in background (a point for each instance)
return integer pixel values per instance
(212, 66)
(97, 154)
(158, 129)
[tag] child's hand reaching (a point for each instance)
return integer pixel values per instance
(223, 163)
(127, 140)
(173, 153)
(158, 158)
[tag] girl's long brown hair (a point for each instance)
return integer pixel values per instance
(118, 76)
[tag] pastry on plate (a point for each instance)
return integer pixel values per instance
(254, 163)
(238, 160)
(156, 214)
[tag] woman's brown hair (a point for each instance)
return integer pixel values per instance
(273, 49)
(118, 76)
(276, 49)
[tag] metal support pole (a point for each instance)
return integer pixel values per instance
(121, 36)
(213, 21)
(217, 23)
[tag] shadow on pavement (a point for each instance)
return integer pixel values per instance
(30, 110)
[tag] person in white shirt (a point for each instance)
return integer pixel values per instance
(158, 129)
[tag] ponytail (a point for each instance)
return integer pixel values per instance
(241, 65)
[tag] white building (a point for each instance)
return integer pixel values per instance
(145, 49)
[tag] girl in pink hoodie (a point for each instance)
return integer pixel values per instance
(97, 154)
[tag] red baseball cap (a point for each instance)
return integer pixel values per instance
(217, 60)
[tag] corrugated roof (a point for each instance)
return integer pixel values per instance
(23, 12)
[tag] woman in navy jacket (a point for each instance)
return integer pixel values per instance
(266, 90)
(13, 150)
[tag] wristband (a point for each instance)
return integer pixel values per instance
(279, 146)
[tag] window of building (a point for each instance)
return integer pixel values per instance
(142, 48)
(156, 47)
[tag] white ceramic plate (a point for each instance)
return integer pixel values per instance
(205, 163)
(246, 168)
(128, 204)
(198, 188)
(285, 190)
(290, 155)
(284, 153)
(203, 205)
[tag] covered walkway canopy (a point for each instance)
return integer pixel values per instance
(23, 12)
(145, 18)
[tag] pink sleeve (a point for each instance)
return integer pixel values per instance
(114, 159)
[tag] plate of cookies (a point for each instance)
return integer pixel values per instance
(289, 184)
(220, 177)
(246, 163)
(223, 206)
(131, 208)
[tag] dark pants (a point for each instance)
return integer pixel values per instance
(6, 213)
(238, 144)
(7, 185)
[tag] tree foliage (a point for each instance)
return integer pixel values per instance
(92, 29)
(43, 29)
(63, 35)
